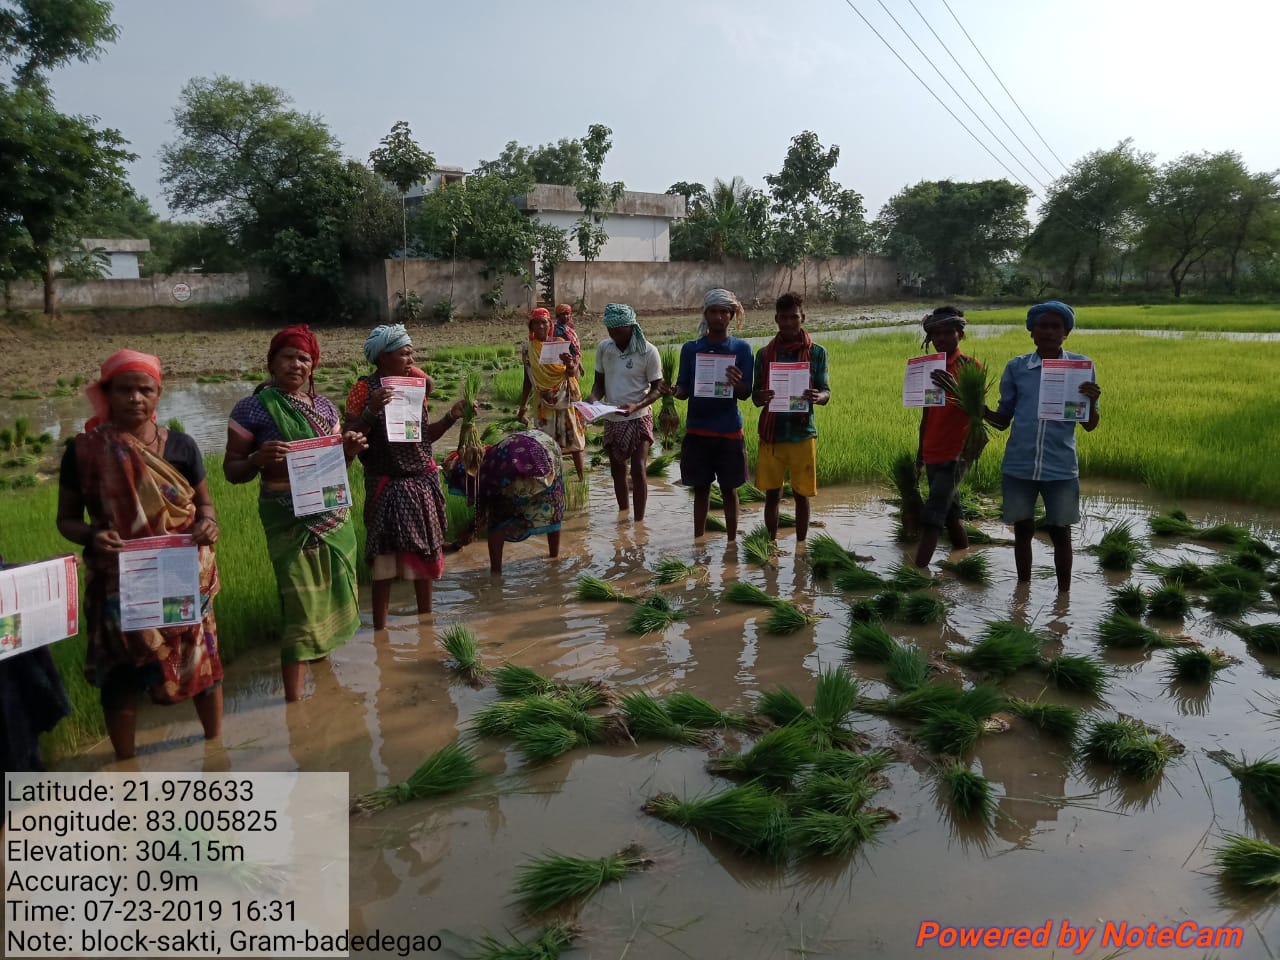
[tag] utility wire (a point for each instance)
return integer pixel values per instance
(1029, 151)
(1001, 82)
(941, 102)
(943, 77)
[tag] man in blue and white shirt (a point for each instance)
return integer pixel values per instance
(1040, 458)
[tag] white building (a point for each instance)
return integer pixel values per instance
(440, 177)
(120, 256)
(639, 226)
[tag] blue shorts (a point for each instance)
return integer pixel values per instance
(1061, 500)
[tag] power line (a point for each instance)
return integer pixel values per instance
(1030, 152)
(1001, 82)
(941, 102)
(943, 77)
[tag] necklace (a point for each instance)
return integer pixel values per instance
(154, 442)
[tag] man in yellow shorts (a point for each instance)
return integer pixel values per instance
(789, 437)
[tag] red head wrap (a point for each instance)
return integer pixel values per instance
(298, 336)
(564, 310)
(540, 313)
(122, 361)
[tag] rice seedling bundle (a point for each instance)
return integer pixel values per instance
(1228, 533)
(907, 668)
(870, 641)
(973, 382)
(1264, 636)
(668, 422)
(1055, 719)
(470, 446)
(1130, 747)
(1186, 572)
(1117, 549)
(1248, 862)
(835, 697)
(848, 765)
(759, 546)
(448, 769)
(497, 719)
(1171, 524)
(749, 817)
(915, 704)
(552, 879)
(817, 833)
(741, 592)
(593, 588)
(1076, 673)
(975, 568)
(1228, 601)
(653, 615)
(920, 607)
(1197, 665)
(782, 707)
(460, 643)
(546, 946)
(950, 731)
(1169, 601)
(658, 465)
(1123, 632)
(1248, 559)
(1260, 547)
(975, 507)
(648, 718)
(1004, 649)
(716, 501)
(674, 570)
(517, 681)
(968, 793)
(857, 577)
(1232, 575)
(981, 701)
(979, 537)
(907, 576)
(750, 493)
(1130, 599)
(864, 611)
(1259, 781)
(832, 793)
(546, 741)
(690, 710)
(775, 761)
(715, 524)
(827, 557)
(907, 482)
(786, 617)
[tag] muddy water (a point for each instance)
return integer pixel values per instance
(1110, 852)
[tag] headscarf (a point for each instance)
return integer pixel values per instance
(621, 315)
(539, 313)
(939, 320)
(122, 361)
(564, 310)
(300, 337)
(719, 297)
(385, 338)
(564, 326)
(1052, 306)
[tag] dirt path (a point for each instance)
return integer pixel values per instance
(36, 352)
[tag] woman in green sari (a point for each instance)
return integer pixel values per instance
(314, 556)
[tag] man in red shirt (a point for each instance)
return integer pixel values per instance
(942, 434)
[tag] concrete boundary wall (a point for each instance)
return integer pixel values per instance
(162, 290)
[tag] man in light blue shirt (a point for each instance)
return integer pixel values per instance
(1040, 458)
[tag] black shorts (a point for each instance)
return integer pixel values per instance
(707, 459)
(942, 506)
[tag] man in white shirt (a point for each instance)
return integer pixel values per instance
(629, 377)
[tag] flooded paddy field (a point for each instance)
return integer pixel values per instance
(1068, 841)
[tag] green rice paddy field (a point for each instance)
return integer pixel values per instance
(1231, 318)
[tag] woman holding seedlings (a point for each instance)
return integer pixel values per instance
(943, 431)
(557, 389)
(136, 479)
(1040, 457)
(404, 514)
(520, 493)
(314, 555)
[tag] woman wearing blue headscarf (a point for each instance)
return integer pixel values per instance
(404, 514)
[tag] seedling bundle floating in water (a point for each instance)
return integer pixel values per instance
(759, 546)
(689, 710)
(1055, 719)
(1126, 633)
(775, 761)
(1175, 524)
(547, 946)
(1130, 747)
(967, 793)
(1250, 863)
(749, 817)
(674, 570)
(593, 588)
(654, 614)
(448, 769)
(827, 557)
(1076, 673)
(1004, 649)
(464, 652)
(1259, 781)
(835, 698)
(907, 482)
(975, 568)
(650, 719)
(1263, 636)
(554, 879)
(1197, 665)
(1117, 549)
(512, 680)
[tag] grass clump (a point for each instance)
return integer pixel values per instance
(748, 817)
(759, 546)
(1248, 862)
(870, 641)
(851, 766)
(1130, 599)
(782, 706)
(1197, 665)
(950, 731)
(968, 793)
(1075, 673)
(818, 833)
(1259, 781)
(550, 880)
(1057, 720)
(715, 524)
(540, 742)
(833, 793)
(654, 614)
(775, 761)
(1169, 601)
(690, 710)
(786, 617)
(1171, 524)
(1123, 632)
(1004, 649)
(1230, 601)
(658, 465)
(1130, 747)
(547, 946)
(975, 568)
(915, 704)
(464, 654)
(1186, 572)
(1263, 636)
(827, 557)
(521, 682)
(668, 419)
(649, 719)
(883, 606)
(907, 668)
(674, 570)
(741, 592)
(1233, 575)
(910, 505)
(920, 607)
(1117, 549)
(835, 698)
(907, 576)
(593, 588)
(856, 577)
(448, 769)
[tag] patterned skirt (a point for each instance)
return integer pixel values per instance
(405, 516)
(521, 486)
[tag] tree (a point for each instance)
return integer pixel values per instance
(956, 233)
(850, 235)
(1093, 215)
(401, 161)
(37, 36)
(1191, 209)
(562, 163)
(801, 192)
(1254, 227)
(596, 197)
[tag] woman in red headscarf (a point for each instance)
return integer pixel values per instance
(556, 387)
(314, 556)
(136, 479)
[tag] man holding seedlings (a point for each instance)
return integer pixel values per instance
(943, 431)
(628, 376)
(1040, 457)
(789, 440)
(715, 373)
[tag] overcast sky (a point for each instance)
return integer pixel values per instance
(698, 89)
